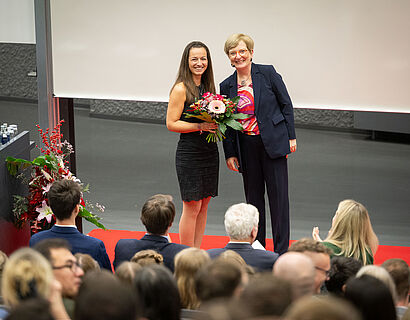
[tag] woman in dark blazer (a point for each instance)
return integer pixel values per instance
(260, 151)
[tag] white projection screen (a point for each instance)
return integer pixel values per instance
(332, 54)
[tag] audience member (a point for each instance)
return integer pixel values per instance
(341, 270)
(218, 279)
(299, 270)
(241, 225)
(329, 308)
(27, 274)
(33, 308)
(158, 293)
(126, 271)
(406, 315)
(64, 200)
(400, 273)
(87, 262)
(233, 256)
(320, 256)
(371, 297)
(3, 259)
(157, 215)
(381, 274)
(187, 264)
(265, 295)
(66, 268)
(147, 257)
(351, 234)
(102, 296)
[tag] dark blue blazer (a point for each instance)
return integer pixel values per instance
(273, 110)
(126, 248)
(79, 242)
(259, 259)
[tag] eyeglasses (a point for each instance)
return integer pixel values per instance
(72, 265)
(327, 272)
(241, 52)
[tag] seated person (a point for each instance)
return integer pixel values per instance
(157, 215)
(147, 257)
(341, 270)
(64, 200)
(351, 234)
(241, 225)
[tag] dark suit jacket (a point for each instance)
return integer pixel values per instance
(260, 259)
(126, 248)
(78, 241)
(273, 110)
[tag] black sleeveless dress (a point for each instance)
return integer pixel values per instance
(197, 164)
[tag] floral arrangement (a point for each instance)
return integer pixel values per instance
(216, 108)
(45, 169)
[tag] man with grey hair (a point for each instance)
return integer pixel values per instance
(299, 270)
(241, 225)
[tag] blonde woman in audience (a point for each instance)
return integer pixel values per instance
(187, 263)
(147, 257)
(87, 262)
(235, 257)
(126, 271)
(351, 234)
(28, 274)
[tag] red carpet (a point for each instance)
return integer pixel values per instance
(111, 237)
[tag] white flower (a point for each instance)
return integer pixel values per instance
(46, 188)
(44, 212)
(216, 106)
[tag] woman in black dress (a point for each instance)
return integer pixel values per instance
(197, 161)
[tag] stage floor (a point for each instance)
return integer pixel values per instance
(126, 162)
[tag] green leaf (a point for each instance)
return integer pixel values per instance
(236, 99)
(240, 116)
(222, 127)
(13, 165)
(234, 124)
(87, 215)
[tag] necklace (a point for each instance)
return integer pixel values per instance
(243, 82)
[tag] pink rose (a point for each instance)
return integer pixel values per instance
(216, 106)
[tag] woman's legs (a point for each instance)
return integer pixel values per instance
(201, 222)
(193, 222)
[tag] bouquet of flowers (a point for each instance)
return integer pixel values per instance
(216, 108)
(45, 169)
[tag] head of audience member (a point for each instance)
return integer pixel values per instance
(381, 274)
(241, 222)
(320, 256)
(218, 279)
(341, 270)
(65, 266)
(158, 293)
(320, 308)
(371, 297)
(104, 296)
(147, 257)
(64, 199)
(352, 231)
(400, 273)
(87, 262)
(158, 213)
(187, 263)
(27, 274)
(126, 271)
(234, 257)
(3, 259)
(33, 308)
(265, 295)
(299, 270)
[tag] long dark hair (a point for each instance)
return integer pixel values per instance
(185, 75)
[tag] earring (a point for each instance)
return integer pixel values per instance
(251, 59)
(232, 65)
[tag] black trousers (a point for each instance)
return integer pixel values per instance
(258, 170)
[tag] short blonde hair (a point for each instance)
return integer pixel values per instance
(234, 39)
(147, 257)
(126, 271)
(26, 274)
(87, 262)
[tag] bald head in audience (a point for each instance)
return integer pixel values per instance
(299, 270)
